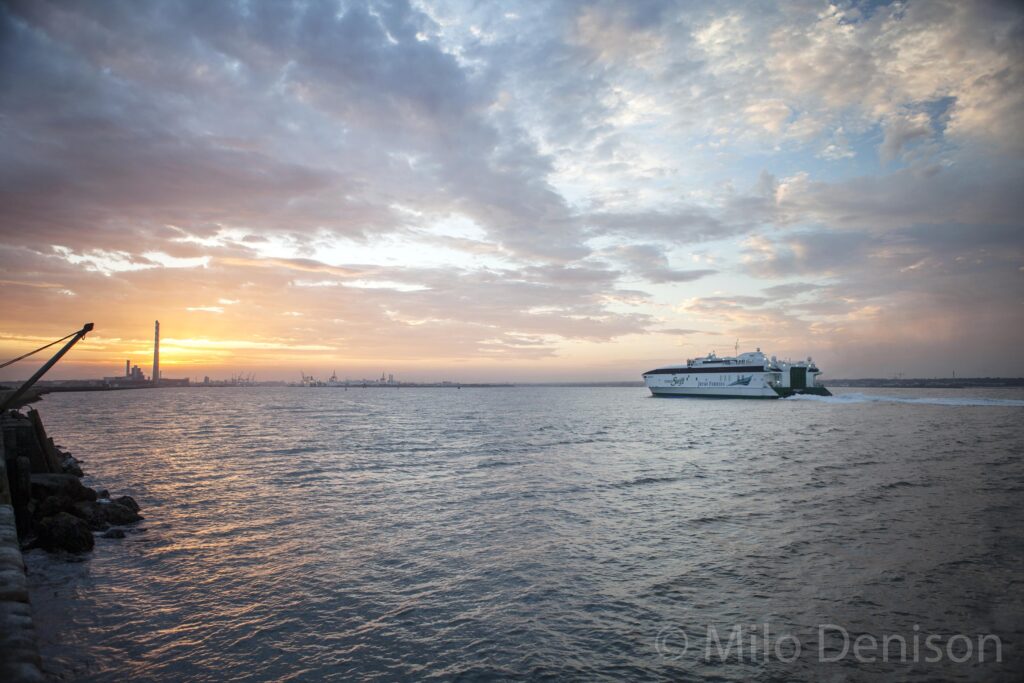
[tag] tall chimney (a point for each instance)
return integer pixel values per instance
(128, 368)
(156, 354)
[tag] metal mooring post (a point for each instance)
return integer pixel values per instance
(86, 329)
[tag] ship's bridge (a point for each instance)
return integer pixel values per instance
(746, 360)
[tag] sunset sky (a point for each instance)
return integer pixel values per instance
(531, 191)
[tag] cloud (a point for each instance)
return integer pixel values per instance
(920, 289)
(769, 114)
(789, 290)
(819, 252)
(923, 193)
(684, 224)
(900, 131)
(901, 56)
(127, 142)
(448, 180)
(649, 262)
(676, 331)
(297, 264)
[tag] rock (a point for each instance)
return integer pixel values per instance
(64, 532)
(19, 479)
(44, 485)
(51, 505)
(99, 515)
(116, 513)
(103, 493)
(52, 459)
(71, 467)
(128, 502)
(114, 533)
(93, 514)
(20, 440)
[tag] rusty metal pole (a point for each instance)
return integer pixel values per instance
(12, 399)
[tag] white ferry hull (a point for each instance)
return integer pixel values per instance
(714, 392)
(718, 386)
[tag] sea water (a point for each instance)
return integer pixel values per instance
(536, 532)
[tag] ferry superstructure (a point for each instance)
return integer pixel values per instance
(746, 375)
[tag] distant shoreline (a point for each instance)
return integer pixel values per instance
(937, 383)
(62, 386)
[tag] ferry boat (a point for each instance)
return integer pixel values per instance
(746, 375)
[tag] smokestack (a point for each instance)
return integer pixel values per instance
(128, 368)
(156, 354)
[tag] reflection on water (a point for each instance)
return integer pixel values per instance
(296, 534)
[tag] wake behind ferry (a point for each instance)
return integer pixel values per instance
(746, 375)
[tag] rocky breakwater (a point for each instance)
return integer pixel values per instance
(53, 509)
(43, 504)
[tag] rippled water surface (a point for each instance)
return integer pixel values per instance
(578, 533)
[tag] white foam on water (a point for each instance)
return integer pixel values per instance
(924, 400)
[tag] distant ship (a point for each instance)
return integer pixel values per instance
(746, 375)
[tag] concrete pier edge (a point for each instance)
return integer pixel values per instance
(19, 650)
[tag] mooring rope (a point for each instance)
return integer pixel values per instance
(38, 350)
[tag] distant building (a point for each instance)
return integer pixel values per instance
(132, 376)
